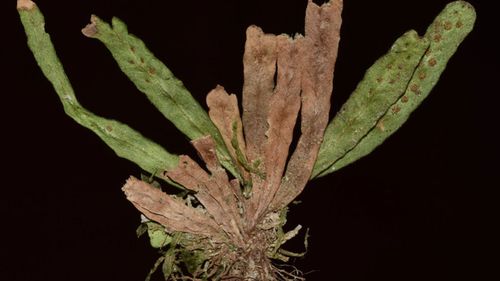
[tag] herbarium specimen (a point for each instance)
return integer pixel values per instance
(227, 221)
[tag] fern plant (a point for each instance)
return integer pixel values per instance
(226, 222)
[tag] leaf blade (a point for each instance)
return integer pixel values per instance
(445, 34)
(383, 83)
(123, 140)
(158, 83)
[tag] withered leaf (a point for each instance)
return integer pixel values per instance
(213, 191)
(169, 211)
(225, 114)
(259, 66)
(285, 105)
(322, 28)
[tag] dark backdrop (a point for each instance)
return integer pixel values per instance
(412, 210)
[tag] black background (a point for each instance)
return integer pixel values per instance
(415, 209)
